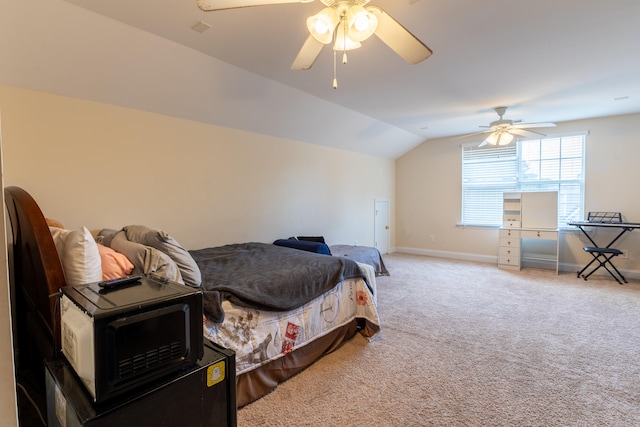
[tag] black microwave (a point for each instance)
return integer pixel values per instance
(119, 338)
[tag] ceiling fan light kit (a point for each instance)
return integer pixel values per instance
(500, 137)
(350, 24)
(503, 131)
(346, 23)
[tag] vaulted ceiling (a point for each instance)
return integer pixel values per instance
(547, 60)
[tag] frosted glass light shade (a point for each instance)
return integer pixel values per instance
(505, 138)
(492, 139)
(323, 24)
(499, 138)
(362, 24)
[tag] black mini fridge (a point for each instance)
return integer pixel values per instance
(203, 394)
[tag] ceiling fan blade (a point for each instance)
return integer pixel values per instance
(472, 134)
(534, 125)
(211, 5)
(525, 133)
(308, 54)
(398, 38)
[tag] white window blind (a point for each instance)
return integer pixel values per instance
(547, 164)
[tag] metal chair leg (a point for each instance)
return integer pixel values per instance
(603, 256)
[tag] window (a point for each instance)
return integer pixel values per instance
(548, 164)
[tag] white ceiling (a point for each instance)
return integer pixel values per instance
(547, 60)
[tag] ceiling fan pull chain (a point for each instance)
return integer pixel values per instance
(344, 41)
(335, 72)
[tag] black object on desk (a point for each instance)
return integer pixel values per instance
(203, 394)
(603, 255)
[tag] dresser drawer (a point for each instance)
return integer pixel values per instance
(508, 232)
(511, 223)
(510, 242)
(505, 252)
(509, 260)
(539, 234)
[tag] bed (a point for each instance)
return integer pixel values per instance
(274, 337)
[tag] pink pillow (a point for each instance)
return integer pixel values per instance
(114, 264)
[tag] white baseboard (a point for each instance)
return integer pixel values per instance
(447, 254)
(490, 259)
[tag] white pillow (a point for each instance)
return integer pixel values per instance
(79, 255)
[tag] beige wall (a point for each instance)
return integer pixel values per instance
(104, 166)
(429, 196)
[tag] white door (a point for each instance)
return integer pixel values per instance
(381, 225)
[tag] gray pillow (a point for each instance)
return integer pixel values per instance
(146, 259)
(163, 242)
(105, 236)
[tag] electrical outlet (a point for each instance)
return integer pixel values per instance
(432, 238)
(625, 253)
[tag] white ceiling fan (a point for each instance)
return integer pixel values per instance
(345, 23)
(503, 131)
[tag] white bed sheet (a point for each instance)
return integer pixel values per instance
(259, 336)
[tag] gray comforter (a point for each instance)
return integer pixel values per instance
(266, 276)
(363, 254)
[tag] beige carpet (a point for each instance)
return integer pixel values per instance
(468, 344)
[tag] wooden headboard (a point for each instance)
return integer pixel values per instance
(36, 274)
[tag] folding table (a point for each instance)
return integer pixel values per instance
(602, 255)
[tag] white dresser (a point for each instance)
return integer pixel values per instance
(509, 249)
(532, 216)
